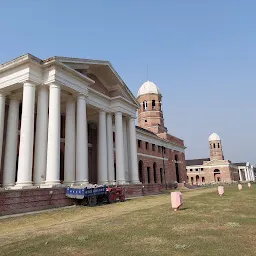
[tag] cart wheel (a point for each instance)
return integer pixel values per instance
(111, 197)
(92, 200)
(122, 198)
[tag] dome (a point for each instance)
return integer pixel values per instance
(148, 87)
(214, 136)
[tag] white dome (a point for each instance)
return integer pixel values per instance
(148, 87)
(214, 136)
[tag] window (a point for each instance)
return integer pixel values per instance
(153, 104)
(139, 143)
(164, 150)
(160, 106)
(161, 175)
(196, 170)
(218, 145)
(214, 145)
(153, 147)
(148, 172)
(159, 149)
(191, 170)
(145, 105)
(146, 145)
(146, 120)
(202, 169)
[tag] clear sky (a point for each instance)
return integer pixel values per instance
(201, 53)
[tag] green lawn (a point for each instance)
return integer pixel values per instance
(207, 225)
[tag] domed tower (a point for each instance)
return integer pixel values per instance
(150, 114)
(216, 152)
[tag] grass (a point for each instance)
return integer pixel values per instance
(206, 225)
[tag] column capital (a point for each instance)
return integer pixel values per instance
(54, 85)
(81, 95)
(14, 97)
(118, 113)
(3, 94)
(29, 83)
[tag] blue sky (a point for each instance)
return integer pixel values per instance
(200, 53)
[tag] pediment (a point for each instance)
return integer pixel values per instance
(215, 162)
(106, 79)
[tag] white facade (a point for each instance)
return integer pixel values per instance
(246, 172)
(58, 86)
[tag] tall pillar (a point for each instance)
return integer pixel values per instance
(240, 175)
(102, 149)
(11, 146)
(133, 152)
(24, 177)
(53, 148)
(120, 174)
(126, 152)
(110, 149)
(81, 141)
(2, 112)
(41, 136)
(70, 143)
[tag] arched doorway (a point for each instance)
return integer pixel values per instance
(192, 180)
(197, 179)
(154, 170)
(141, 171)
(177, 168)
(217, 177)
(203, 180)
(161, 175)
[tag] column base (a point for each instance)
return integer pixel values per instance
(68, 183)
(136, 182)
(103, 182)
(83, 182)
(8, 186)
(122, 182)
(26, 184)
(51, 184)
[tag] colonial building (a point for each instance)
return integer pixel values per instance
(213, 169)
(247, 172)
(69, 120)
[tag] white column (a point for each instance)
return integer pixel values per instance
(120, 174)
(41, 136)
(110, 148)
(53, 148)
(70, 143)
(240, 175)
(102, 149)
(2, 113)
(10, 155)
(24, 177)
(81, 141)
(133, 152)
(246, 174)
(126, 153)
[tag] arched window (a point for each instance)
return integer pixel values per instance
(161, 175)
(177, 168)
(148, 173)
(214, 145)
(141, 171)
(153, 104)
(218, 145)
(145, 105)
(154, 168)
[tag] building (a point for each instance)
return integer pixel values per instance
(70, 120)
(247, 171)
(213, 169)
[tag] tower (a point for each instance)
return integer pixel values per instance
(150, 113)
(216, 152)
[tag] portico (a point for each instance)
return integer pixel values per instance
(77, 108)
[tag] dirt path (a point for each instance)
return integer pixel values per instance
(67, 220)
